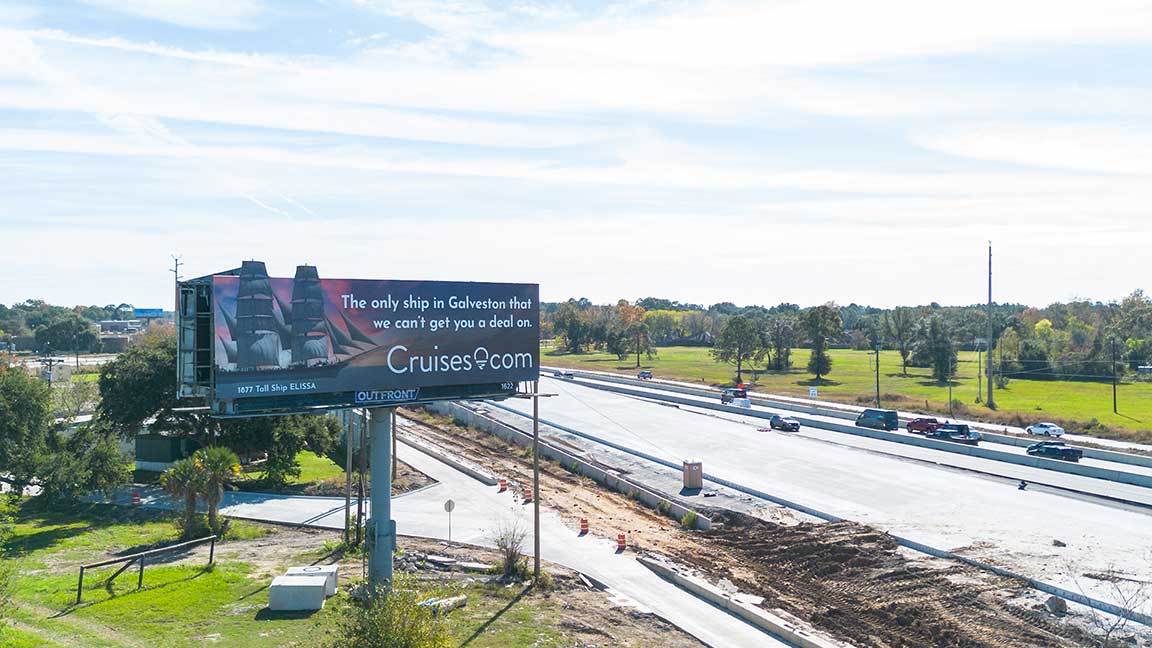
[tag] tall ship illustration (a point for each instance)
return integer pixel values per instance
(269, 331)
(309, 326)
(256, 332)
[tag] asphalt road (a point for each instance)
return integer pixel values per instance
(988, 519)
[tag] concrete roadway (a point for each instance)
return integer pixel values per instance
(1077, 482)
(480, 510)
(1111, 444)
(985, 518)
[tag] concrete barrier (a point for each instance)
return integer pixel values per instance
(992, 433)
(790, 631)
(651, 498)
(466, 467)
(1054, 465)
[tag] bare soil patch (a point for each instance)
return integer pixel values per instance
(848, 579)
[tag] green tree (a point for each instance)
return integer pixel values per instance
(68, 332)
(738, 343)
(184, 481)
(782, 332)
(282, 438)
(900, 325)
(821, 324)
(218, 466)
(935, 348)
(25, 426)
(89, 460)
(574, 326)
(140, 384)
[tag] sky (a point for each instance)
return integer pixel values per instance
(755, 152)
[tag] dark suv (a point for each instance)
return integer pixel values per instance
(644, 375)
(878, 419)
(1055, 450)
(786, 423)
(956, 433)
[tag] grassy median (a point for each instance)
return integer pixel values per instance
(1085, 406)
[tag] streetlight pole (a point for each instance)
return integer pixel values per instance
(991, 328)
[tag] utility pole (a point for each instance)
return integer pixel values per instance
(991, 328)
(51, 362)
(1114, 376)
(536, 479)
(877, 376)
(979, 371)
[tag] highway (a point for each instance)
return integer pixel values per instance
(1020, 472)
(974, 515)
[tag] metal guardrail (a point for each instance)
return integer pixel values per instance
(140, 557)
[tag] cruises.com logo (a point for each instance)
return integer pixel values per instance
(400, 361)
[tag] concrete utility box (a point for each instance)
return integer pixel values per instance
(693, 474)
(327, 571)
(291, 593)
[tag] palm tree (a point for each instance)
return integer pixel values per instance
(217, 465)
(184, 480)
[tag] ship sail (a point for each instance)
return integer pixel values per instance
(309, 334)
(257, 341)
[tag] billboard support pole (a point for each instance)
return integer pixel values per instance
(348, 476)
(383, 528)
(536, 479)
(363, 461)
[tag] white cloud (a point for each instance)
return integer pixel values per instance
(199, 14)
(1084, 147)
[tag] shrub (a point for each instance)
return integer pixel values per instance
(689, 520)
(665, 507)
(509, 539)
(392, 619)
(545, 583)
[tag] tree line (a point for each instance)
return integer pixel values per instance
(59, 328)
(1078, 340)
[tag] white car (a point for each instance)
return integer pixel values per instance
(1045, 429)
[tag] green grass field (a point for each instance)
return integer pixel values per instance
(853, 380)
(188, 605)
(312, 469)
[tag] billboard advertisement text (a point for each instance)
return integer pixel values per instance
(375, 340)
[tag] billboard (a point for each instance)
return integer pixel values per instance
(316, 341)
(141, 313)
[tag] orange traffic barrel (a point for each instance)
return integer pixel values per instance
(135, 498)
(583, 526)
(621, 542)
(503, 485)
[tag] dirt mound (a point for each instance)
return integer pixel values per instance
(849, 580)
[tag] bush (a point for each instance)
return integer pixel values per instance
(509, 538)
(391, 620)
(545, 583)
(665, 507)
(7, 566)
(689, 520)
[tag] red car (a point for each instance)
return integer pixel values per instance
(923, 425)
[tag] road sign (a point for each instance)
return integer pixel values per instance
(812, 392)
(449, 506)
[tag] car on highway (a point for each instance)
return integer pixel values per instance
(566, 375)
(729, 395)
(956, 433)
(644, 375)
(786, 423)
(923, 425)
(1055, 450)
(878, 419)
(1045, 429)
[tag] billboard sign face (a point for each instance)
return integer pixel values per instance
(368, 342)
(140, 313)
